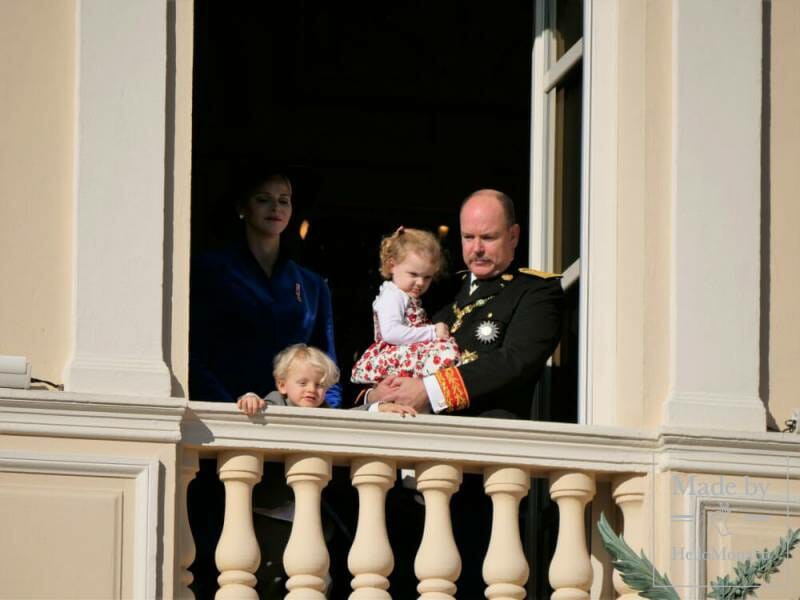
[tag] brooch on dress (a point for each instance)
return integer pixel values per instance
(297, 292)
(487, 332)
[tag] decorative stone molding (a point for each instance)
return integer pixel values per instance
(708, 451)
(720, 411)
(471, 441)
(538, 446)
(146, 506)
(92, 416)
(703, 530)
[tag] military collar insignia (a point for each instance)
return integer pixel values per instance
(487, 332)
(487, 287)
(507, 276)
(539, 274)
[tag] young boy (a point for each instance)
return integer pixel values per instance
(302, 375)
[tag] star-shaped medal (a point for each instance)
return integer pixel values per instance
(487, 332)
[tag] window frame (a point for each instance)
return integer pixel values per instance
(545, 77)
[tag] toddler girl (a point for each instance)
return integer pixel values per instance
(406, 342)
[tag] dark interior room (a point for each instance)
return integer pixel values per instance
(383, 114)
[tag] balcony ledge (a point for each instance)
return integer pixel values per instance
(92, 416)
(473, 442)
(467, 440)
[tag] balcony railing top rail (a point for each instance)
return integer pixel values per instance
(473, 442)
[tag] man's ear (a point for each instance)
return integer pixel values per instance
(515, 234)
(281, 386)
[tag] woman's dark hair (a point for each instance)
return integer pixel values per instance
(249, 182)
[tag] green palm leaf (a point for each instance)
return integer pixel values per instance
(640, 574)
(766, 564)
(636, 570)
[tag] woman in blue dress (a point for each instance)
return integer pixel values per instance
(250, 301)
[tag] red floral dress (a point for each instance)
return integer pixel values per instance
(417, 359)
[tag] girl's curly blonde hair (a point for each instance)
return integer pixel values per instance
(395, 247)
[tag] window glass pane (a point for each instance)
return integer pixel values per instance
(568, 24)
(567, 175)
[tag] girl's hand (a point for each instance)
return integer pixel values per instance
(397, 408)
(250, 404)
(442, 331)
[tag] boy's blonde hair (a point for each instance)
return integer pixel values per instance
(314, 356)
(395, 247)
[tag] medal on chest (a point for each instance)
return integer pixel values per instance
(460, 313)
(487, 332)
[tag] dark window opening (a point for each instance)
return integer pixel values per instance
(386, 114)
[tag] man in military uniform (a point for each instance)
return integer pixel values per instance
(506, 322)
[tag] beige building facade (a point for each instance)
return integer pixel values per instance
(691, 348)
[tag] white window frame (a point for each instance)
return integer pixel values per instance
(544, 80)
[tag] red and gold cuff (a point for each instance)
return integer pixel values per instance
(452, 385)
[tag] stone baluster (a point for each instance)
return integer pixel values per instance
(370, 559)
(237, 555)
(189, 465)
(306, 559)
(505, 568)
(628, 493)
(571, 569)
(437, 564)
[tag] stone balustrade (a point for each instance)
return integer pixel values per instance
(142, 453)
(441, 449)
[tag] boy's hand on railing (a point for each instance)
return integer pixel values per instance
(397, 408)
(250, 404)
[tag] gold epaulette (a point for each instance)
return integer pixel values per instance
(539, 274)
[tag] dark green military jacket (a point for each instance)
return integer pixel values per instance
(506, 329)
